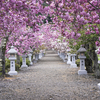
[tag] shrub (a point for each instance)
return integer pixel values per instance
(20, 61)
(17, 66)
(7, 64)
(78, 62)
(27, 61)
(0, 71)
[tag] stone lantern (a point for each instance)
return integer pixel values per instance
(66, 58)
(40, 54)
(33, 58)
(62, 52)
(59, 49)
(36, 57)
(12, 59)
(82, 60)
(43, 52)
(69, 57)
(30, 55)
(73, 64)
(24, 61)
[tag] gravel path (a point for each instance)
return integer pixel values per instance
(49, 79)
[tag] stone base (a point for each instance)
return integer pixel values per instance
(99, 85)
(69, 62)
(40, 56)
(73, 65)
(35, 61)
(81, 72)
(12, 73)
(24, 66)
(31, 63)
(64, 60)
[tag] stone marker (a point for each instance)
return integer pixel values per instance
(12, 59)
(73, 64)
(24, 61)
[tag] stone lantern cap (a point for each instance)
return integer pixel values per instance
(81, 49)
(12, 50)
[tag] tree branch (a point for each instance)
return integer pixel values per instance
(93, 5)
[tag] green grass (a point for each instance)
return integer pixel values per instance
(0, 73)
(98, 57)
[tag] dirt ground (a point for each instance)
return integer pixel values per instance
(49, 79)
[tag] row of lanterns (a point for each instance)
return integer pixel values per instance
(12, 59)
(67, 58)
(81, 57)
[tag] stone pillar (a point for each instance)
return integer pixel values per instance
(43, 52)
(12, 66)
(58, 52)
(63, 57)
(40, 54)
(82, 65)
(66, 58)
(30, 55)
(33, 56)
(73, 64)
(36, 57)
(69, 60)
(24, 61)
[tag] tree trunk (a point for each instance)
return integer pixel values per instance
(88, 63)
(94, 58)
(0, 53)
(3, 60)
(18, 59)
(96, 65)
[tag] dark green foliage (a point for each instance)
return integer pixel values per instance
(7, 65)
(27, 62)
(88, 64)
(45, 4)
(78, 62)
(48, 19)
(17, 66)
(0, 71)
